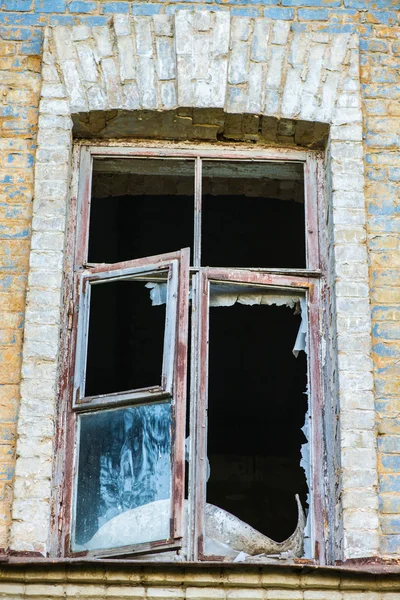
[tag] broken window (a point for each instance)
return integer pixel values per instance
(211, 457)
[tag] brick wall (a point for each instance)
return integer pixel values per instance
(148, 583)
(378, 24)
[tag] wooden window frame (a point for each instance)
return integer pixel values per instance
(310, 279)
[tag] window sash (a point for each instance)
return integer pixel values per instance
(199, 391)
(130, 270)
(175, 370)
(313, 185)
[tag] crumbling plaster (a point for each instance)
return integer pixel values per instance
(201, 60)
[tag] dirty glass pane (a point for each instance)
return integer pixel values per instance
(140, 207)
(253, 214)
(124, 477)
(126, 336)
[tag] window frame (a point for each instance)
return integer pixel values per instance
(311, 279)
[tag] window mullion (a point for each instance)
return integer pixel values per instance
(193, 492)
(197, 212)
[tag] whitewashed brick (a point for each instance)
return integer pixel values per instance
(127, 60)
(144, 45)
(163, 25)
(87, 62)
(54, 107)
(146, 80)
(165, 59)
(80, 32)
(53, 90)
(237, 71)
(122, 25)
(280, 32)
(112, 82)
(202, 20)
(259, 44)
(102, 36)
(240, 28)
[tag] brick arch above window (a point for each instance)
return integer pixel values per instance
(191, 65)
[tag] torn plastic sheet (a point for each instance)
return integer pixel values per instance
(158, 293)
(301, 339)
(228, 295)
(305, 463)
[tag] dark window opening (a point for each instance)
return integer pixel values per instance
(256, 409)
(140, 208)
(126, 334)
(252, 219)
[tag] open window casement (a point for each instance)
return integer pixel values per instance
(220, 535)
(129, 469)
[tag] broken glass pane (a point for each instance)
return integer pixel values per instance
(124, 477)
(126, 338)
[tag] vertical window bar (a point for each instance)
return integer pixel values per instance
(197, 213)
(311, 184)
(82, 340)
(83, 209)
(193, 532)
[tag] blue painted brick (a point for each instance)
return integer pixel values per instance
(62, 20)
(17, 5)
(390, 483)
(23, 19)
(34, 45)
(51, 6)
(385, 17)
(373, 45)
(241, 2)
(363, 3)
(390, 544)
(115, 7)
(338, 28)
(389, 444)
(313, 14)
(299, 27)
(15, 33)
(388, 331)
(394, 173)
(146, 9)
(321, 3)
(81, 7)
(284, 14)
(391, 462)
(171, 9)
(245, 12)
(94, 21)
(384, 350)
(384, 313)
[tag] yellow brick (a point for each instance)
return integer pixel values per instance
(85, 591)
(164, 576)
(7, 48)
(284, 595)
(11, 589)
(44, 589)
